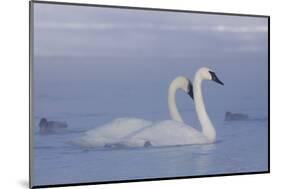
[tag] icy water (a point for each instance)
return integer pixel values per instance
(90, 100)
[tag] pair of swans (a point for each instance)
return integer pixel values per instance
(134, 132)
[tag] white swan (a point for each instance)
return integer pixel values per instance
(111, 134)
(170, 133)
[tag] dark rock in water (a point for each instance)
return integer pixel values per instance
(51, 127)
(147, 144)
(235, 116)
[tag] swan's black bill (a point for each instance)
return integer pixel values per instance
(215, 78)
(190, 90)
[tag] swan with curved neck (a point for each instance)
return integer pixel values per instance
(207, 126)
(169, 133)
(120, 129)
(178, 83)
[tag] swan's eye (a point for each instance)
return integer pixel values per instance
(215, 78)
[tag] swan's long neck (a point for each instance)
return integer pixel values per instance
(207, 126)
(174, 113)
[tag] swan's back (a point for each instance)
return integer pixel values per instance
(112, 132)
(166, 133)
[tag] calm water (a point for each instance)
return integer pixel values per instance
(241, 147)
(86, 97)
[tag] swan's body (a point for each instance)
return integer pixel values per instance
(112, 133)
(170, 133)
(165, 133)
(119, 130)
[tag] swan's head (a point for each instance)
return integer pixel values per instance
(43, 123)
(184, 84)
(208, 74)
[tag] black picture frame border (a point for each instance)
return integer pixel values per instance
(31, 55)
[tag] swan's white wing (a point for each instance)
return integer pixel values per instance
(166, 133)
(113, 132)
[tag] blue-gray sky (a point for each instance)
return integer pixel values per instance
(94, 31)
(122, 60)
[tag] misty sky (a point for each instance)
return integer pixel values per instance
(127, 58)
(101, 32)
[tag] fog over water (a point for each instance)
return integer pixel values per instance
(92, 65)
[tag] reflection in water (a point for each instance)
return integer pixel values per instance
(235, 151)
(204, 159)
